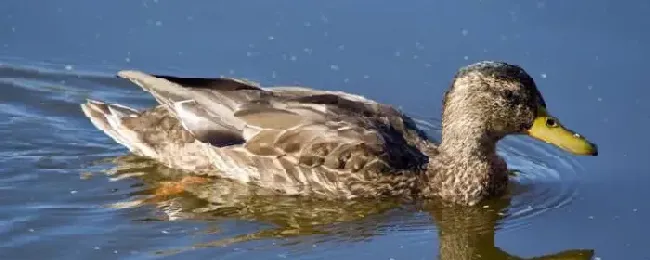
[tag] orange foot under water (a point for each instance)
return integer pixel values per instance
(171, 188)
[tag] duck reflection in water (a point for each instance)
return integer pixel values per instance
(463, 232)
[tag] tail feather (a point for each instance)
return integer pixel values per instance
(108, 118)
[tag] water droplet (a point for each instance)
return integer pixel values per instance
(68, 67)
(334, 67)
(271, 38)
(73, 192)
(543, 75)
(600, 99)
(466, 57)
(158, 23)
(465, 32)
(127, 59)
(590, 87)
(293, 58)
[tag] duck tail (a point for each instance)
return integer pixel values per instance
(108, 118)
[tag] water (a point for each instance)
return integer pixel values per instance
(68, 191)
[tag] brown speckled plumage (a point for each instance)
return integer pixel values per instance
(298, 141)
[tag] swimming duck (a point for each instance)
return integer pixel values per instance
(332, 144)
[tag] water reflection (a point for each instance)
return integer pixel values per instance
(463, 232)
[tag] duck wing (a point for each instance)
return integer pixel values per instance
(306, 135)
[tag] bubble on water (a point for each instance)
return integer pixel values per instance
(590, 87)
(324, 19)
(464, 32)
(334, 67)
(419, 46)
(271, 38)
(599, 99)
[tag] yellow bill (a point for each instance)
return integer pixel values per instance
(548, 129)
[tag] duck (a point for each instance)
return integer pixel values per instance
(299, 141)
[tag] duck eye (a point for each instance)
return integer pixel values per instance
(551, 122)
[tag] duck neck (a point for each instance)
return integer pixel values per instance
(468, 168)
(468, 142)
